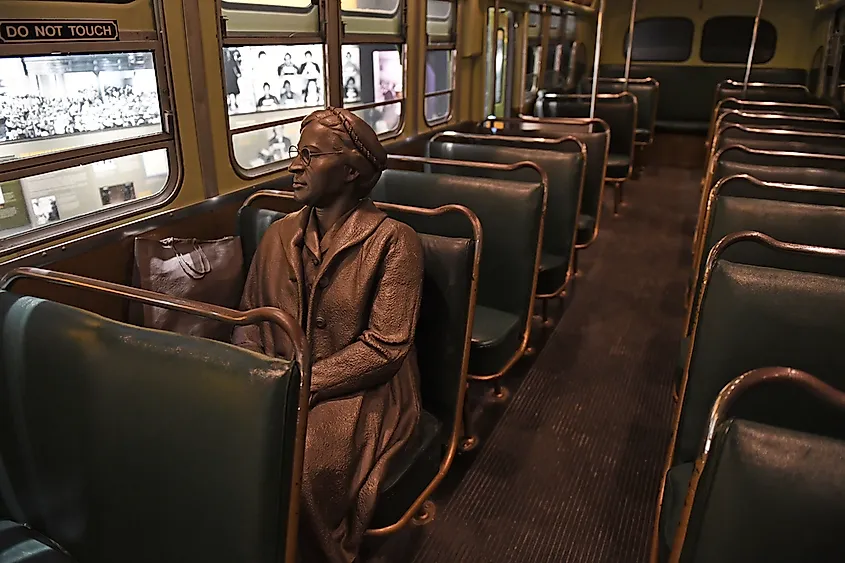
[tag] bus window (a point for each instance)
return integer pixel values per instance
(85, 137)
(271, 83)
(439, 61)
(374, 85)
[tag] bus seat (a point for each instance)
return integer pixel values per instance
(768, 494)
(786, 93)
(754, 315)
(109, 431)
(253, 222)
(647, 92)
(620, 113)
(771, 107)
(796, 214)
(440, 341)
(598, 145)
(736, 134)
(565, 172)
(749, 316)
(686, 91)
(511, 215)
(19, 544)
(799, 123)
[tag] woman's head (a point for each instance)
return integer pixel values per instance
(346, 158)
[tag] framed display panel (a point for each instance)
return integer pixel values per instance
(87, 130)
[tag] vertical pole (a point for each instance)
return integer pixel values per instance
(751, 49)
(493, 52)
(630, 42)
(597, 59)
(836, 67)
(821, 83)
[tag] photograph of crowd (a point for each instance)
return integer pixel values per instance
(68, 94)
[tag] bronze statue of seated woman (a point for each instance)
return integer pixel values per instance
(353, 277)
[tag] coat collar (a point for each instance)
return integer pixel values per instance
(359, 224)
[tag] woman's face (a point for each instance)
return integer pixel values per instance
(326, 178)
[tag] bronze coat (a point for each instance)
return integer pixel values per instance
(362, 313)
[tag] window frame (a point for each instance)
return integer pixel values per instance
(687, 22)
(403, 56)
(154, 42)
(438, 44)
(763, 23)
(268, 39)
(401, 41)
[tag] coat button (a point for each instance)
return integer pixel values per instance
(320, 322)
(315, 261)
(324, 281)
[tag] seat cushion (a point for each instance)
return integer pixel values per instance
(552, 273)
(495, 338)
(586, 223)
(410, 472)
(677, 483)
(617, 165)
(550, 261)
(586, 226)
(643, 135)
(19, 544)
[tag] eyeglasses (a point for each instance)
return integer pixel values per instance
(305, 154)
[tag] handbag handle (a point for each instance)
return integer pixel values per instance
(188, 265)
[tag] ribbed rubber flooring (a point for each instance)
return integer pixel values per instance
(571, 471)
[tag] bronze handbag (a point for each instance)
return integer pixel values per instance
(209, 271)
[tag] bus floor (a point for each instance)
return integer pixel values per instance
(570, 470)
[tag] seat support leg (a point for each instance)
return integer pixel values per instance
(617, 197)
(469, 440)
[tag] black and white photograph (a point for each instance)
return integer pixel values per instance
(45, 209)
(48, 96)
(273, 77)
(117, 193)
(351, 74)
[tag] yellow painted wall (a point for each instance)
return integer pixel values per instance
(796, 23)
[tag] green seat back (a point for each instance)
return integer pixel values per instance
(647, 94)
(790, 215)
(135, 445)
(768, 494)
(565, 172)
(619, 113)
(510, 213)
(597, 144)
(752, 316)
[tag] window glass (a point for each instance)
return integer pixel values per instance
(532, 67)
(56, 103)
(37, 202)
(440, 19)
(271, 16)
(271, 84)
(371, 17)
(661, 40)
(438, 78)
(500, 63)
(273, 81)
(727, 39)
(374, 74)
(266, 146)
(370, 6)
